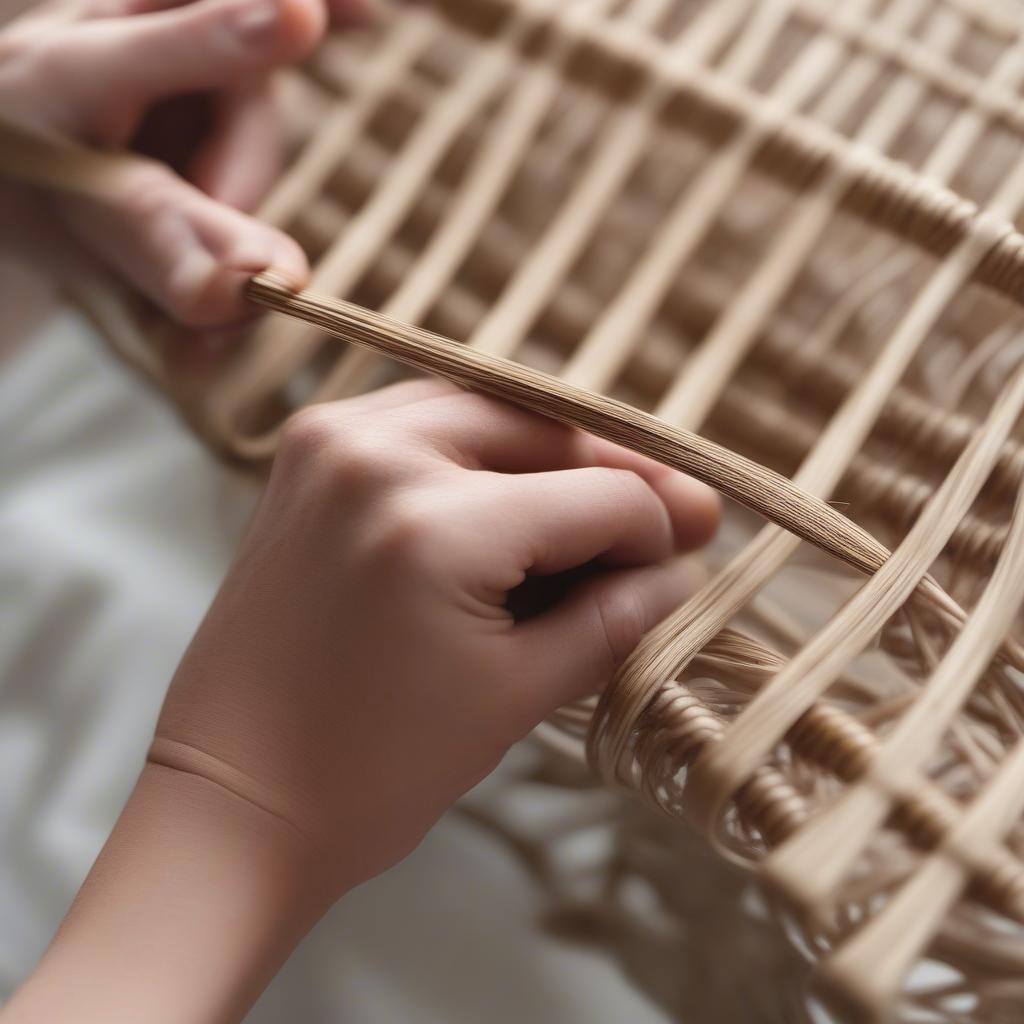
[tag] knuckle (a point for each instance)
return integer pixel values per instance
(307, 433)
(319, 436)
(404, 534)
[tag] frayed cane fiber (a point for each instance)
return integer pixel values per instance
(776, 244)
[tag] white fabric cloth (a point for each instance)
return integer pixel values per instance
(115, 527)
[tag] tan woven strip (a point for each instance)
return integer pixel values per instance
(343, 264)
(846, 432)
(999, 18)
(616, 152)
(799, 867)
(696, 300)
(757, 487)
(896, 496)
(779, 704)
(486, 180)
(904, 53)
(735, 750)
(755, 420)
(306, 175)
(669, 647)
(798, 151)
(701, 379)
(868, 970)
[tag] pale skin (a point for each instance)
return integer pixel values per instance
(405, 605)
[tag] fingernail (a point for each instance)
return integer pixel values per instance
(289, 259)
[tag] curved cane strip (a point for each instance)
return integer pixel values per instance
(671, 645)
(346, 260)
(494, 166)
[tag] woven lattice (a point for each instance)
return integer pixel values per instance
(788, 226)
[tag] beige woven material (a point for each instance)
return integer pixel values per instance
(787, 226)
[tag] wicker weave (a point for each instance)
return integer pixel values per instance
(788, 225)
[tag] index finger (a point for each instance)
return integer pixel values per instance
(485, 433)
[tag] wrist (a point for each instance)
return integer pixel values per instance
(194, 903)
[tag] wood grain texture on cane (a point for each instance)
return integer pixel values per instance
(778, 705)
(665, 652)
(838, 444)
(799, 865)
(511, 132)
(754, 486)
(800, 150)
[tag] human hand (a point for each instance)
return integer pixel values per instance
(360, 669)
(188, 83)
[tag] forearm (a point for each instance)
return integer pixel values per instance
(193, 904)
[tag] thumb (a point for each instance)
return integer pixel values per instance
(575, 648)
(131, 62)
(188, 253)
